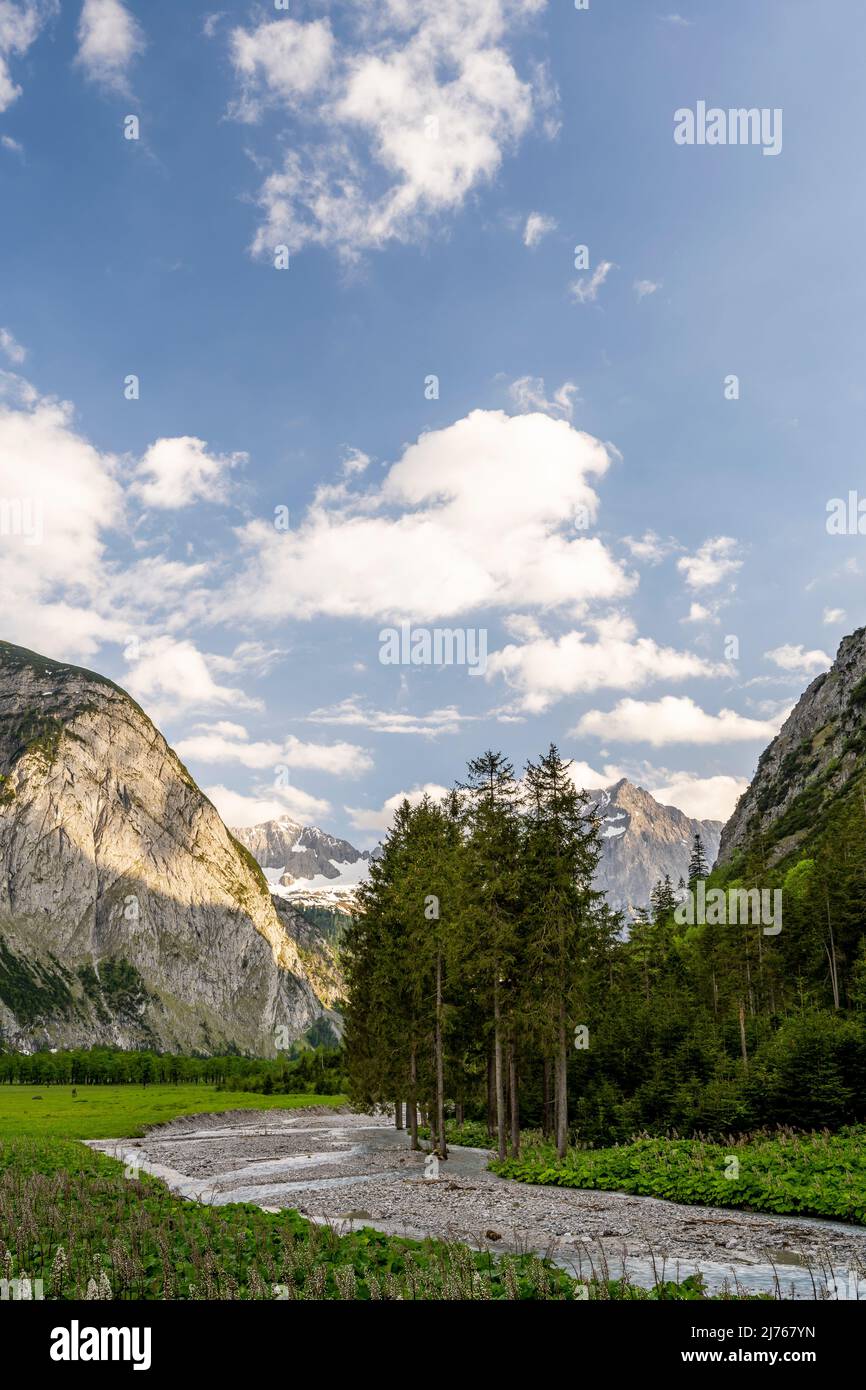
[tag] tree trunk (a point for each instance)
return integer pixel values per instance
(743, 1036)
(491, 1095)
(398, 1114)
(499, 1069)
(561, 1088)
(440, 1063)
(546, 1127)
(515, 1101)
(413, 1101)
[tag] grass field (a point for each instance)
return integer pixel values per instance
(124, 1112)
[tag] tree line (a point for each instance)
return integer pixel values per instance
(487, 979)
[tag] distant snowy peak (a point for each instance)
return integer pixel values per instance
(303, 858)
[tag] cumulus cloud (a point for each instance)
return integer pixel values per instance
(176, 472)
(478, 514)
(528, 393)
(280, 62)
(537, 226)
(60, 496)
(703, 798)
(585, 290)
(12, 350)
(833, 615)
(240, 810)
(109, 39)
(673, 719)
(403, 116)
(230, 743)
(546, 669)
(650, 547)
(379, 820)
(20, 24)
(797, 659)
(714, 561)
(701, 613)
(171, 676)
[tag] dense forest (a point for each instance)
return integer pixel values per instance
(487, 980)
(304, 1069)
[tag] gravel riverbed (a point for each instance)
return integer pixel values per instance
(355, 1170)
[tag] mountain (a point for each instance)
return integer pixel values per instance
(292, 851)
(807, 767)
(642, 841)
(129, 914)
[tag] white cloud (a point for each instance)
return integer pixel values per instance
(171, 676)
(351, 712)
(673, 719)
(528, 394)
(834, 615)
(643, 288)
(585, 291)
(176, 472)
(402, 118)
(60, 497)
(20, 24)
(229, 743)
(791, 658)
(701, 613)
(13, 350)
(677, 20)
(714, 561)
(380, 820)
(479, 514)
(280, 61)
(14, 146)
(703, 798)
(109, 38)
(239, 810)
(537, 226)
(650, 547)
(547, 669)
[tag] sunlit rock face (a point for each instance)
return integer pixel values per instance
(642, 841)
(128, 912)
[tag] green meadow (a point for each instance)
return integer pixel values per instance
(124, 1112)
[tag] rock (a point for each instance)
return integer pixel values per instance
(818, 747)
(128, 913)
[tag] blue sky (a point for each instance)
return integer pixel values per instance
(418, 249)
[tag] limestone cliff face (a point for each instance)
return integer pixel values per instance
(128, 912)
(819, 747)
(642, 840)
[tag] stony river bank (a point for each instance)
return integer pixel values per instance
(357, 1170)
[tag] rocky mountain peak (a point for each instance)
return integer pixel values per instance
(820, 746)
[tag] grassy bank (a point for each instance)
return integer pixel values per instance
(782, 1173)
(124, 1112)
